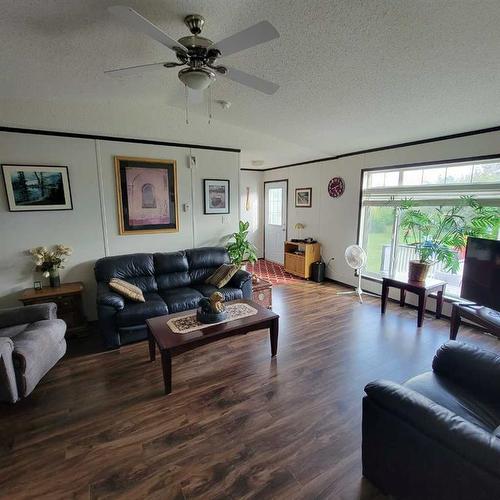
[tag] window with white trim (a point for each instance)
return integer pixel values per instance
(430, 187)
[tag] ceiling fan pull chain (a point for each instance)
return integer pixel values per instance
(186, 103)
(210, 94)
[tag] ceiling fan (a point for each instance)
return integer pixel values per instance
(198, 54)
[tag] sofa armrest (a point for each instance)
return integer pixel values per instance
(240, 278)
(473, 369)
(8, 385)
(464, 438)
(27, 314)
(106, 297)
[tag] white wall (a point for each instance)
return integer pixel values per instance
(255, 213)
(334, 221)
(91, 228)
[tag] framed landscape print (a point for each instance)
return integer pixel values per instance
(216, 196)
(147, 195)
(37, 187)
(303, 197)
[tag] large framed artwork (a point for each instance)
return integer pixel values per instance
(37, 187)
(147, 195)
(303, 197)
(216, 196)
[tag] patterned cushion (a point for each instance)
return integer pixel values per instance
(222, 275)
(126, 290)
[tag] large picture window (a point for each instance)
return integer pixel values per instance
(429, 187)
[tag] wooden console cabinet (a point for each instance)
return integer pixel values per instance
(68, 298)
(300, 256)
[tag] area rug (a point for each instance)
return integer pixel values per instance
(188, 322)
(270, 271)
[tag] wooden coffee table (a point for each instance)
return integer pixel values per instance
(170, 343)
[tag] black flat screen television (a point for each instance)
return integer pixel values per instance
(481, 278)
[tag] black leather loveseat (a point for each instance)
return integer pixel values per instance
(438, 435)
(170, 282)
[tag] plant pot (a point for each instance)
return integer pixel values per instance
(55, 280)
(417, 270)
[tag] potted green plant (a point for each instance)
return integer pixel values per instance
(438, 233)
(240, 249)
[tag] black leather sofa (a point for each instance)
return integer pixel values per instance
(437, 436)
(170, 282)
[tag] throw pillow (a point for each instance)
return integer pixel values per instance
(222, 275)
(126, 289)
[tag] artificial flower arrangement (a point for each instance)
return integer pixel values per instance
(48, 262)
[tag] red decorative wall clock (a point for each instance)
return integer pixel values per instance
(336, 187)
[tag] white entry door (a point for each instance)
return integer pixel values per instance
(275, 220)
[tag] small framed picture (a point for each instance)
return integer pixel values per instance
(216, 196)
(303, 197)
(37, 285)
(32, 188)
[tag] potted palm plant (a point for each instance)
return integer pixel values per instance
(438, 233)
(241, 250)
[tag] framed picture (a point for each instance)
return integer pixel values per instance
(303, 197)
(216, 195)
(37, 187)
(146, 195)
(37, 285)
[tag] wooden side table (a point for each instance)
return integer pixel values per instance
(262, 293)
(67, 297)
(421, 288)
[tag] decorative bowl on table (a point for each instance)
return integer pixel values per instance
(210, 317)
(211, 310)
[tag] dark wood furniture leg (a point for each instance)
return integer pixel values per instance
(439, 303)
(166, 365)
(455, 322)
(402, 297)
(385, 293)
(422, 300)
(152, 347)
(273, 333)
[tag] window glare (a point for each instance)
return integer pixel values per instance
(434, 176)
(377, 179)
(412, 177)
(459, 175)
(486, 173)
(392, 178)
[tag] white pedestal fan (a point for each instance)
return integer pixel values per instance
(355, 257)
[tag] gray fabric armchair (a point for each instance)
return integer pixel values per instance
(31, 342)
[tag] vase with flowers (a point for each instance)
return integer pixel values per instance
(49, 261)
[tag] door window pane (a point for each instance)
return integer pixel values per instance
(275, 197)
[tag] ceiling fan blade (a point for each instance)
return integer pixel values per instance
(135, 70)
(134, 20)
(252, 81)
(255, 35)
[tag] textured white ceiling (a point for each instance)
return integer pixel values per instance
(354, 74)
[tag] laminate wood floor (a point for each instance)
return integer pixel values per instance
(238, 423)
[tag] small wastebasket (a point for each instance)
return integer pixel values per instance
(318, 271)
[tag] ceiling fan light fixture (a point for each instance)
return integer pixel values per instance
(196, 79)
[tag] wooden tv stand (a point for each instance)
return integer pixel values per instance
(299, 264)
